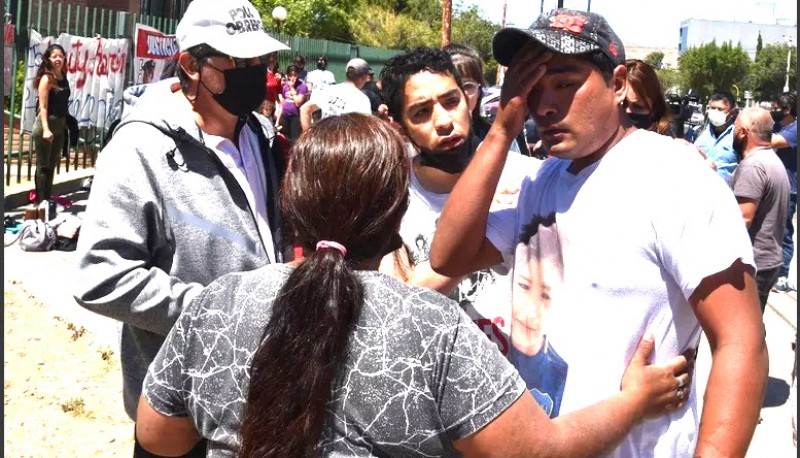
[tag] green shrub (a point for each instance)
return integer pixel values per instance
(19, 81)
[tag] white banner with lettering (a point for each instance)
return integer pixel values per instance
(95, 69)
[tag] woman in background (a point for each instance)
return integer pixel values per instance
(293, 95)
(326, 356)
(49, 129)
(645, 103)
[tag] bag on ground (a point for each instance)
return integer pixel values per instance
(36, 235)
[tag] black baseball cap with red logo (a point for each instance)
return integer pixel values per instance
(563, 31)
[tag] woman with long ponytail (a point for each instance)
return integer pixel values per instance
(326, 356)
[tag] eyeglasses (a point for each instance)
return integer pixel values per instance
(470, 88)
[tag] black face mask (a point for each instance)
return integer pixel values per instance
(453, 161)
(641, 121)
(739, 144)
(778, 115)
(244, 89)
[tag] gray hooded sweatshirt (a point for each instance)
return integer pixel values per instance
(164, 219)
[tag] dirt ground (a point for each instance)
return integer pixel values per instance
(62, 393)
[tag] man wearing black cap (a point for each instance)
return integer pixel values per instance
(640, 255)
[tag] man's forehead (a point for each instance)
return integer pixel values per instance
(423, 84)
(564, 63)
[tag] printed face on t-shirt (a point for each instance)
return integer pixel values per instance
(538, 274)
(435, 115)
(573, 106)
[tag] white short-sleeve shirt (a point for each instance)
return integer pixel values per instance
(633, 235)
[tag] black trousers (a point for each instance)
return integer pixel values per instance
(291, 127)
(764, 281)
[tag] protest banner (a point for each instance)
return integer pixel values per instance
(152, 52)
(95, 69)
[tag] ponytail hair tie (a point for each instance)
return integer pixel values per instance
(333, 245)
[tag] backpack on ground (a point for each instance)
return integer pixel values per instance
(36, 235)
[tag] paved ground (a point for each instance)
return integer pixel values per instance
(49, 276)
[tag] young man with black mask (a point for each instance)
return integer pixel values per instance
(427, 104)
(716, 140)
(321, 77)
(186, 190)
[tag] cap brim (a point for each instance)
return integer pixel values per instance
(507, 42)
(256, 45)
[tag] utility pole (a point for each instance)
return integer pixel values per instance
(500, 69)
(541, 7)
(560, 3)
(447, 16)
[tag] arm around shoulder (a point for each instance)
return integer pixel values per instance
(460, 245)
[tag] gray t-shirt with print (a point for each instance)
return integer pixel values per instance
(419, 374)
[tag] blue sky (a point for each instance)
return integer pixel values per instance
(646, 22)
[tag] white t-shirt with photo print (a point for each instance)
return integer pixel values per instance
(638, 231)
(484, 295)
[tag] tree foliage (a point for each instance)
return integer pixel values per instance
(325, 19)
(670, 80)
(404, 24)
(768, 72)
(471, 30)
(711, 68)
(759, 44)
(655, 59)
(384, 27)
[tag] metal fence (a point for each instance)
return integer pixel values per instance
(51, 18)
(337, 54)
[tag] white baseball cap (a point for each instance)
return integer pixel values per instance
(359, 66)
(232, 27)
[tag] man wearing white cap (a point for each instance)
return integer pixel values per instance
(340, 98)
(186, 190)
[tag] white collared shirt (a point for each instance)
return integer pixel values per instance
(248, 168)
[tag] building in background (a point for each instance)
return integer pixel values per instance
(697, 32)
